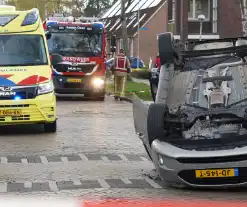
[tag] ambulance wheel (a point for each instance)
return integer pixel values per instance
(50, 127)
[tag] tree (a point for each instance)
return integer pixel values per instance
(77, 6)
(95, 7)
(45, 7)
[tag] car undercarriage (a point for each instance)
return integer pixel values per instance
(200, 107)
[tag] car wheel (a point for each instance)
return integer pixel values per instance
(156, 121)
(167, 52)
(50, 127)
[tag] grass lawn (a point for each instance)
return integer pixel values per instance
(140, 89)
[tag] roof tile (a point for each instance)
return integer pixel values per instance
(131, 20)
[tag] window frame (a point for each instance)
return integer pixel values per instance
(194, 18)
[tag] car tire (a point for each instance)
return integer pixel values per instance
(156, 121)
(50, 127)
(167, 52)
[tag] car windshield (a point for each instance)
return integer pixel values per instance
(22, 50)
(213, 45)
(76, 44)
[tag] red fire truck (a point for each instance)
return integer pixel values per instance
(77, 52)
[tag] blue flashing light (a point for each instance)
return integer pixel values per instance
(98, 25)
(31, 18)
(17, 98)
(51, 23)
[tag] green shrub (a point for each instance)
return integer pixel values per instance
(142, 74)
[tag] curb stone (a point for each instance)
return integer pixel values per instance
(129, 100)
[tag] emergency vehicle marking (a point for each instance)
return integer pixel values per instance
(13, 70)
(6, 82)
(76, 59)
(8, 93)
(75, 28)
(6, 76)
(31, 80)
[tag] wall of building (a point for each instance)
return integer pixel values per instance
(148, 38)
(229, 18)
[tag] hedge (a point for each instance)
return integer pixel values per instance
(135, 73)
(140, 73)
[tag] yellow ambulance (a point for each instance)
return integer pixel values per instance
(26, 88)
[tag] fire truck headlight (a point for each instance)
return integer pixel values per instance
(97, 82)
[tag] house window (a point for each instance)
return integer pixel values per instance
(198, 7)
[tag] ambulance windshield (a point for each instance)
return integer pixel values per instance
(22, 50)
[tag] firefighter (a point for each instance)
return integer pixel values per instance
(157, 62)
(120, 67)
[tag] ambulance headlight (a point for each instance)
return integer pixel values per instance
(45, 88)
(97, 82)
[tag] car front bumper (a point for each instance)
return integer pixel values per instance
(84, 89)
(42, 109)
(177, 166)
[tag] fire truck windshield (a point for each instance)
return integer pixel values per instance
(76, 44)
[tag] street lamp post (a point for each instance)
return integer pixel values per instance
(201, 19)
(138, 34)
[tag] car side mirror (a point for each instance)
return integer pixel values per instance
(48, 35)
(113, 43)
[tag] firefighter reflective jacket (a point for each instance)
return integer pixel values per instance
(121, 64)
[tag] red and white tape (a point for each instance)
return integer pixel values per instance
(34, 202)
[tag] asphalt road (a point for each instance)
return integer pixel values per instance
(94, 154)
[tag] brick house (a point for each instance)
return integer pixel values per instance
(222, 20)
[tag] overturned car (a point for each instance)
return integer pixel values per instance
(196, 131)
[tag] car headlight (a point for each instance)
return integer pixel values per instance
(98, 82)
(44, 88)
